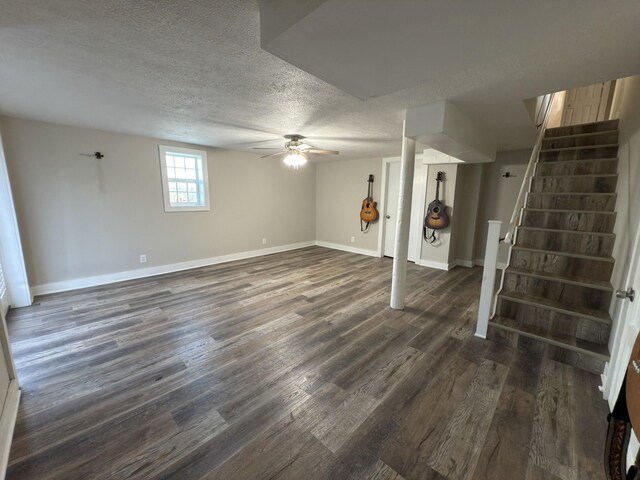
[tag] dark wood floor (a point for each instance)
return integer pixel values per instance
(291, 366)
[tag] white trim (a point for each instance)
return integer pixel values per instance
(480, 262)
(168, 208)
(431, 264)
(462, 263)
(347, 248)
(85, 282)
(383, 206)
(7, 424)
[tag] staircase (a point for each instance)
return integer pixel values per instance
(556, 290)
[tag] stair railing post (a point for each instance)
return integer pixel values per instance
(488, 277)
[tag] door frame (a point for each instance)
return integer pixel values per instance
(417, 214)
(12, 399)
(626, 330)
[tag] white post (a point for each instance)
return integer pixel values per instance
(401, 247)
(488, 277)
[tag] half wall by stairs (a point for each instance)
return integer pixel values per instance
(556, 290)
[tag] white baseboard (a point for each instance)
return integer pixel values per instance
(7, 424)
(431, 264)
(480, 261)
(347, 248)
(85, 282)
(462, 263)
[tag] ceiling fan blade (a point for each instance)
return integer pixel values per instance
(321, 151)
(275, 154)
(265, 148)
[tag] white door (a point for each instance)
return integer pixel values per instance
(586, 104)
(391, 208)
(628, 327)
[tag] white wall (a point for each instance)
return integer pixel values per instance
(439, 254)
(341, 187)
(85, 220)
(82, 217)
(498, 196)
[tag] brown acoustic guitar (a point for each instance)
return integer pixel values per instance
(436, 217)
(369, 211)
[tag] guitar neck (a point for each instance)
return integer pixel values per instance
(438, 190)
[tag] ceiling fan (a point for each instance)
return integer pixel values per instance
(295, 151)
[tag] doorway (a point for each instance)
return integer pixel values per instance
(587, 104)
(390, 211)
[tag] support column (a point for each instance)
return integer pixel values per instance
(401, 247)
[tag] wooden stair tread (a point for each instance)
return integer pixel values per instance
(588, 134)
(554, 277)
(567, 254)
(581, 147)
(565, 341)
(558, 230)
(577, 311)
(578, 175)
(614, 122)
(607, 159)
(573, 193)
(561, 210)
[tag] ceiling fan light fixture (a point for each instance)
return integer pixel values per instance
(295, 159)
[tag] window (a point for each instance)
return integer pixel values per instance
(185, 183)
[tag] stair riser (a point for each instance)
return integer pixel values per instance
(561, 264)
(539, 348)
(579, 221)
(581, 141)
(596, 203)
(583, 243)
(588, 167)
(554, 323)
(584, 128)
(569, 296)
(574, 184)
(579, 154)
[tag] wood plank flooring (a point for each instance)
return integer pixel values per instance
(291, 366)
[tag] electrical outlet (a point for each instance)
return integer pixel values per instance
(353, 239)
(143, 259)
(264, 241)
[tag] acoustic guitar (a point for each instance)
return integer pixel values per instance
(369, 211)
(436, 218)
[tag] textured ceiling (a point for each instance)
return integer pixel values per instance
(194, 71)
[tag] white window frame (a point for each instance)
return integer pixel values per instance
(163, 150)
